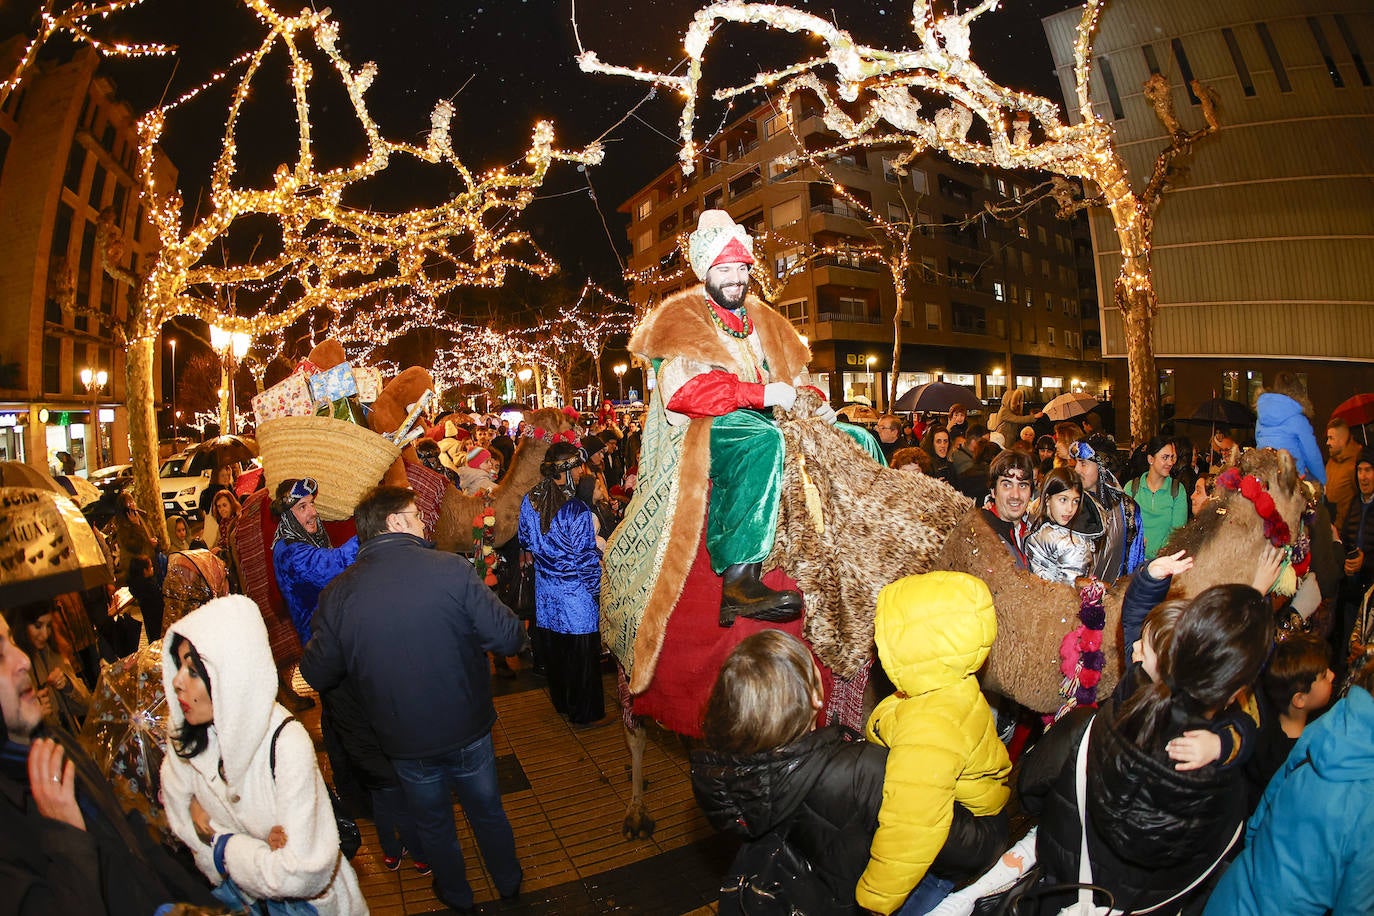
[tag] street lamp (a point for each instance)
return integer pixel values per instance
(231, 346)
(619, 370)
(524, 375)
(94, 382)
(172, 342)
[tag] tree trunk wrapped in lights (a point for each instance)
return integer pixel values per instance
(934, 96)
(329, 253)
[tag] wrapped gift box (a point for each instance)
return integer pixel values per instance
(288, 398)
(333, 384)
(369, 379)
(347, 409)
(306, 367)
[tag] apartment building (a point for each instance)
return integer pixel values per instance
(989, 303)
(1264, 246)
(67, 151)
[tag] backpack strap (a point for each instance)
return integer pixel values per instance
(272, 752)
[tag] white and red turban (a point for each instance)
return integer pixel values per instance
(718, 240)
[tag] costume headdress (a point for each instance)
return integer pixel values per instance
(718, 240)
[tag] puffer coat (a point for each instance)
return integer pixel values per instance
(933, 633)
(1152, 829)
(1059, 554)
(824, 787)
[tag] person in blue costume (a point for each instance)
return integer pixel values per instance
(302, 557)
(559, 530)
(1284, 420)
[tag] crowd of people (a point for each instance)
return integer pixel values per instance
(1231, 770)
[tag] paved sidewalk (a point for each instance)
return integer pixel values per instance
(565, 791)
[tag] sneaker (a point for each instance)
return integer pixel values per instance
(423, 869)
(393, 863)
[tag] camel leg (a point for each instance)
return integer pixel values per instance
(638, 822)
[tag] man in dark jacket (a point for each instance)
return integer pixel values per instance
(65, 845)
(412, 626)
(890, 438)
(1357, 535)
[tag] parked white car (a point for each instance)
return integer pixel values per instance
(184, 477)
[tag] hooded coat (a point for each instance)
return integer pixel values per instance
(1281, 423)
(933, 633)
(1309, 847)
(249, 800)
(1152, 828)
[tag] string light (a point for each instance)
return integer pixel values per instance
(72, 22)
(1017, 130)
(326, 254)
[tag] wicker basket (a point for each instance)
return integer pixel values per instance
(345, 459)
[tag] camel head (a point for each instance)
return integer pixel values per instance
(1227, 536)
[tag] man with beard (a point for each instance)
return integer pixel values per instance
(1122, 545)
(1012, 479)
(65, 845)
(724, 358)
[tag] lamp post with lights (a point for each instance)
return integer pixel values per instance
(94, 381)
(231, 346)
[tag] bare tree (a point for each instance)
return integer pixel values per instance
(935, 96)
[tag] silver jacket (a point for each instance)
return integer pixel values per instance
(1060, 554)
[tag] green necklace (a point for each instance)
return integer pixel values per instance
(720, 323)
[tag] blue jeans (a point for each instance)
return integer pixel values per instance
(470, 772)
(392, 816)
(926, 896)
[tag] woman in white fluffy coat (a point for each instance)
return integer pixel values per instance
(274, 836)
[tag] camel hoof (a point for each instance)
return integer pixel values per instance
(637, 825)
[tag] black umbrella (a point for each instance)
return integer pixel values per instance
(938, 397)
(1221, 412)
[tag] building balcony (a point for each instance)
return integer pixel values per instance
(828, 271)
(848, 318)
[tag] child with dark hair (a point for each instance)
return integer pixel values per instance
(1154, 833)
(1295, 685)
(1067, 528)
(1308, 847)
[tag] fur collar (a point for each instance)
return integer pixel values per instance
(681, 326)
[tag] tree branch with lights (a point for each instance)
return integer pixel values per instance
(327, 250)
(934, 96)
(74, 22)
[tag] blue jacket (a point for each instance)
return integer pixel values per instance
(567, 568)
(302, 573)
(1309, 845)
(1144, 592)
(411, 626)
(1282, 424)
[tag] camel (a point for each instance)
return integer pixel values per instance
(454, 529)
(847, 527)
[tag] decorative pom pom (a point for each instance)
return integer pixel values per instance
(1094, 618)
(1093, 661)
(1090, 641)
(1086, 696)
(1089, 678)
(490, 580)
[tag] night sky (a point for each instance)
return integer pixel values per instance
(507, 63)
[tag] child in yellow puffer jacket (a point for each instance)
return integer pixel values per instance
(933, 633)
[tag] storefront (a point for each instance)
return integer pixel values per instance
(13, 426)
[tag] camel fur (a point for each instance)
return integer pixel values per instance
(454, 531)
(1033, 615)
(848, 526)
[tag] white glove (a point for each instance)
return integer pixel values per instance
(779, 394)
(826, 413)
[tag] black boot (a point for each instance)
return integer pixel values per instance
(745, 595)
